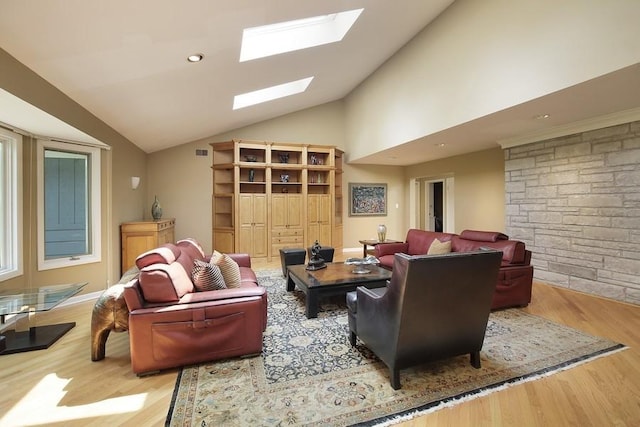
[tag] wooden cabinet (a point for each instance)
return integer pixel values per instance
(287, 228)
(253, 224)
(141, 236)
(223, 199)
(269, 195)
(319, 219)
(338, 201)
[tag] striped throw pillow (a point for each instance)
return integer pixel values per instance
(207, 277)
(229, 268)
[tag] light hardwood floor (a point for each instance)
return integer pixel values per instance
(62, 386)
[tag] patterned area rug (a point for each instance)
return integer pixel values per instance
(309, 374)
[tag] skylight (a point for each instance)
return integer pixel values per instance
(273, 39)
(270, 93)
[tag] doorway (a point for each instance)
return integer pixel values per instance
(432, 204)
(434, 213)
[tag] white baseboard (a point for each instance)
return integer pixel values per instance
(359, 249)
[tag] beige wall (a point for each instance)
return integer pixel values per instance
(479, 187)
(119, 202)
(444, 77)
(365, 227)
(480, 57)
(182, 181)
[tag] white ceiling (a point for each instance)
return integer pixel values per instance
(125, 62)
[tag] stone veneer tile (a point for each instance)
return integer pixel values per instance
(592, 286)
(627, 157)
(579, 209)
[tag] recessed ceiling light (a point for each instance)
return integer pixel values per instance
(270, 93)
(273, 39)
(195, 58)
(542, 116)
(441, 145)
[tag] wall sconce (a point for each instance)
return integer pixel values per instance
(135, 182)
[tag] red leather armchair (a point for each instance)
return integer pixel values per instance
(435, 306)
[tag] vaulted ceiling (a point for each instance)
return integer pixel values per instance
(126, 62)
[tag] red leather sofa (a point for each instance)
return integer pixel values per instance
(171, 324)
(516, 272)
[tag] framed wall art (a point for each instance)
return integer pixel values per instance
(367, 199)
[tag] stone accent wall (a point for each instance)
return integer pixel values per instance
(575, 202)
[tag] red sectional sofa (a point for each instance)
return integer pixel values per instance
(516, 272)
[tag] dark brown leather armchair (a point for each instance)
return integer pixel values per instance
(434, 307)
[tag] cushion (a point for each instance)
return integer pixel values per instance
(191, 243)
(165, 254)
(229, 268)
(483, 236)
(207, 277)
(438, 248)
(164, 282)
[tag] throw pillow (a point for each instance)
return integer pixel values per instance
(229, 268)
(438, 248)
(207, 277)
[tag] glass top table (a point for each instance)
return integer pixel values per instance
(30, 301)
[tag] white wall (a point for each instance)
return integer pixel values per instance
(480, 57)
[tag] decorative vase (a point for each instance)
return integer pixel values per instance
(156, 209)
(382, 233)
(252, 175)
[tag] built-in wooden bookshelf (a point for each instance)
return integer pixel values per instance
(270, 195)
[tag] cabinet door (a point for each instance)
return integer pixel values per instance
(259, 225)
(279, 210)
(259, 241)
(286, 211)
(252, 236)
(259, 211)
(325, 234)
(133, 244)
(294, 210)
(319, 219)
(245, 216)
(245, 224)
(223, 241)
(324, 212)
(313, 208)
(166, 236)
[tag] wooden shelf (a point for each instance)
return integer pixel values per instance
(276, 194)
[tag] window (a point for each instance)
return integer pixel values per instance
(68, 204)
(274, 39)
(10, 205)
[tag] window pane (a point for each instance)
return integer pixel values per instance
(66, 204)
(10, 205)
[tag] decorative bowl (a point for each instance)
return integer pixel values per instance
(361, 264)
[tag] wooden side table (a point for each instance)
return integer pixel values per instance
(374, 242)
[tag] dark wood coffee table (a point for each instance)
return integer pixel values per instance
(336, 279)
